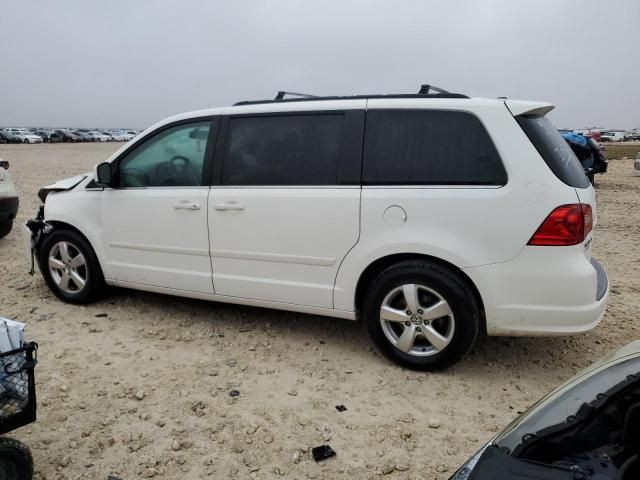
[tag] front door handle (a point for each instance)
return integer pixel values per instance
(187, 206)
(229, 206)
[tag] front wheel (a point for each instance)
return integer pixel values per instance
(421, 315)
(16, 462)
(70, 267)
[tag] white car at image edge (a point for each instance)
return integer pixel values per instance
(8, 200)
(432, 217)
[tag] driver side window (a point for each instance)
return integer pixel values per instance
(172, 158)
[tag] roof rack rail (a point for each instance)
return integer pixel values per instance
(424, 89)
(281, 94)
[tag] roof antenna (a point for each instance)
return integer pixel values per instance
(424, 89)
(281, 94)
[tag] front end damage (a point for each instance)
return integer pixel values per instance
(35, 229)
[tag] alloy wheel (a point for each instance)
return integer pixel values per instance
(68, 267)
(417, 320)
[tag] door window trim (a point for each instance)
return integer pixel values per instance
(215, 121)
(349, 156)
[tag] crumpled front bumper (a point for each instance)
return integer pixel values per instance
(32, 232)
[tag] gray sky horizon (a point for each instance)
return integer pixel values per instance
(131, 63)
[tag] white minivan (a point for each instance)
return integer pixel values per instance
(432, 217)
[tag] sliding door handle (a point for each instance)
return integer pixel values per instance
(229, 206)
(187, 206)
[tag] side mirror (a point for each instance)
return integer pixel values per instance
(103, 172)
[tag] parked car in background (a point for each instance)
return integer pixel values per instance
(387, 174)
(113, 136)
(117, 136)
(584, 429)
(6, 137)
(602, 152)
(45, 135)
(591, 154)
(67, 136)
(15, 130)
(8, 200)
(595, 135)
(26, 137)
(126, 136)
(84, 136)
(612, 136)
(99, 136)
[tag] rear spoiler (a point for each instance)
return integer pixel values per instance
(525, 107)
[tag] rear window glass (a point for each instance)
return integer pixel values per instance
(429, 147)
(555, 151)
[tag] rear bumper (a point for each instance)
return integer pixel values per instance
(602, 279)
(8, 208)
(545, 291)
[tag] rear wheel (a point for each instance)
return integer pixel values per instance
(5, 227)
(421, 315)
(70, 267)
(16, 462)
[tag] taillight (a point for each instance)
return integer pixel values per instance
(566, 225)
(588, 219)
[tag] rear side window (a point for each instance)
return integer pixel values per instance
(555, 151)
(429, 147)
(283, 150)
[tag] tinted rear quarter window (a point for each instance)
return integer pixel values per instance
(283, 150)
(429, 147)
(555, 151)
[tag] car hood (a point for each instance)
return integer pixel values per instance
(61, 185)
(565, 395)
(554, 409)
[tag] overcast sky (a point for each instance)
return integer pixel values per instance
(130, 63)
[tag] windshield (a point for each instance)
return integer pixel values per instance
(565, 402)
(554, 150)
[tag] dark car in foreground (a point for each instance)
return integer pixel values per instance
(587, 429)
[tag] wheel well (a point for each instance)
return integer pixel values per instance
(374, 269)
(58, 225)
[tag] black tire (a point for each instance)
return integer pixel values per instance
(5, 228)
(94, 280)
(445, 283)
(16, 462)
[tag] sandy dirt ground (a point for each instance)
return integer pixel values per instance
(138, 384)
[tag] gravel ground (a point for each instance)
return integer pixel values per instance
(138, 384)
